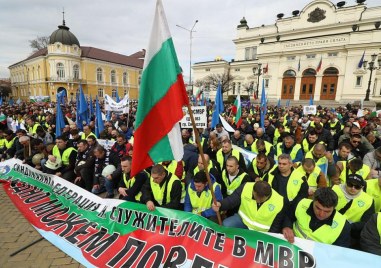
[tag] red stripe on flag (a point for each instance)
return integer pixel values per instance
(158, 122)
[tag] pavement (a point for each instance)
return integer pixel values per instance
(16, 232)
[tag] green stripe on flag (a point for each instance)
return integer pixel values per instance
(161, 151)
(160, 74)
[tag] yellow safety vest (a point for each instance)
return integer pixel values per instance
(65, 155)
(312, 178)
(268, 147)
(359, 205)
(374, 190)
(379, 224)
(158, 192)
(326, 234)
(293, 153)
(321, 161)
(363, 172)
(293, 184)
(84, 137)
(277, 134)
(231, 186)
(197, 169)
(8, 144)
(202, 202)
(220, 157)
(129, 183)
(33, 130)
(259, 219)
(2, 142)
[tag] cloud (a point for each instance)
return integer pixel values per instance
(123, 26)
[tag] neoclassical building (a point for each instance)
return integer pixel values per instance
(64, 65)
(314, 52)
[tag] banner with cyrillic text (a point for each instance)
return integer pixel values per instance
(117, 107)
(199, 114)
(113, 233)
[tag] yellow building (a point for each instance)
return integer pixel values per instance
(64, 65)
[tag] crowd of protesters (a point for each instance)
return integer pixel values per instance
(314, 176)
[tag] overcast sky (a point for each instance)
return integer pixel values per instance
(123, 26)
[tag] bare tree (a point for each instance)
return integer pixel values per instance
(248, 87)
(39, 43)
(212, 81)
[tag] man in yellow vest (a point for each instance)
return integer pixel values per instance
(225, 152)
(163, 189)
(233, 176)
(198, 198)
(260, 208)
(129, 188)
(310, 141)
(212, 168)
(354, 203)
(32, 130)
(68, 156)
(354, 166)
(290, 147)
(318, 220)
(370, 240)
(260, 166)
(86, 133)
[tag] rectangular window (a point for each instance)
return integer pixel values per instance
(291, 58)
(332, 54)
(267, 81)
(311, 56)
(358, 81)
(239, 87)
(100, 92)
(207, 70)
(237, 69)
(253, 53)
(247, 53)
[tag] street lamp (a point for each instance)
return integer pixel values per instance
(371, 67)
(191, 31)
(257, 72)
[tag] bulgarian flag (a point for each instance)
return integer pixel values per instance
(319, 65)
(237, 109)
(198, 94)
(161, 98)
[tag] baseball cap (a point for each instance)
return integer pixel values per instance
(355, 179)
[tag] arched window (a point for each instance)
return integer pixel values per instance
(100, 92)
(99, 75)
(76, 72)
(233, 86)
(289, 73)
(309, 72)
(113, 77)
(113, 93)
(60, 70)
(125, 78)
(125, 92)
(331, 71)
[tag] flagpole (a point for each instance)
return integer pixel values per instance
(195, 131)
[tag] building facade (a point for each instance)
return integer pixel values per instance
(65, 65)
(313, 53)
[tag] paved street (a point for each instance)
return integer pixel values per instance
(16, 232)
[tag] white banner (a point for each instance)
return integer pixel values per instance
(121, 107)
(310, 109)
(199, 114)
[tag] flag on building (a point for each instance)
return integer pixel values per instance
(218, 106)
(237, 110)
(162, 95)
(263, 104)
(99, 125)
(319, 65)
(266, 69)
(361, 62)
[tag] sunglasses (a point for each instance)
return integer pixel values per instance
(351, 185)
(356, 142)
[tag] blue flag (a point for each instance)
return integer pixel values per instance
(263, 104)
(288, 103)
(99, 126)
(1, 100)
(311, 100)
(278, 105)
(18, 101)
(78, 120)
(91, 108)
(218, 106)
(82, 105)
(11, 102)
(61, 97)
(361, 62)
(60, 122)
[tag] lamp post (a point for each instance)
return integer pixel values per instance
(371, 67)
(257, 72)
(191, 31)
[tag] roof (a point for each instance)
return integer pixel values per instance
(64, 36)
(99, 54)
(140, 54)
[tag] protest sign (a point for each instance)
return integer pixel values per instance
(113, 233)
(310, 109)
(121, 107)
(199, 114)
